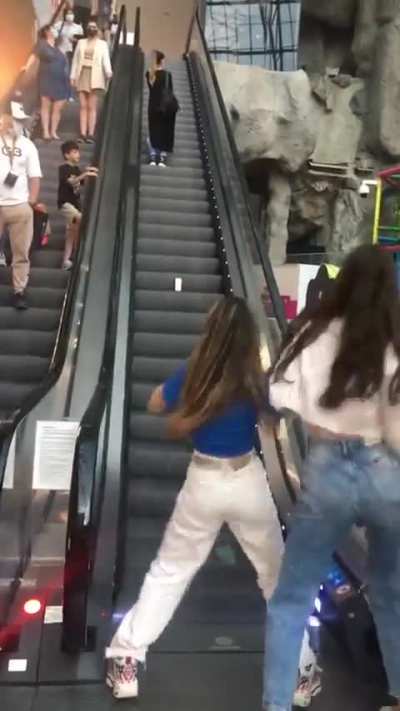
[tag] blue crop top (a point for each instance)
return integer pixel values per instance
(229, 434)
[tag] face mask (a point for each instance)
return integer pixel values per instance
(69, 18)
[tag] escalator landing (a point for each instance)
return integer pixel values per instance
(194, 682)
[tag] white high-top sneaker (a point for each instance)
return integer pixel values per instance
(122, 677)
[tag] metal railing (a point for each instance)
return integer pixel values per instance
(89, 468)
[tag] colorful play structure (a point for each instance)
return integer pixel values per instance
(388, 235)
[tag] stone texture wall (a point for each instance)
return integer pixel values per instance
(341, 107)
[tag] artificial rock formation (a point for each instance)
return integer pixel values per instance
(341, 108)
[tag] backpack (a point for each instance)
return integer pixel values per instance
(169, 105)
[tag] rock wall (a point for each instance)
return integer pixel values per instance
(341, 109)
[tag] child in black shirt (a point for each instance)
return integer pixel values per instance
(71, 178)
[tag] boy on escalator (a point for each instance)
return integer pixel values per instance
(71, 178)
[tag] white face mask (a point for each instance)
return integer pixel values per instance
(70, 18)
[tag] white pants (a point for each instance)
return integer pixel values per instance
(213, 494)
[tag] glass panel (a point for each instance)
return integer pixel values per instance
(263, 33)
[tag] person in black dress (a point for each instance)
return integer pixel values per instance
(161, 124)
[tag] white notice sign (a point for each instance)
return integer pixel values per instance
(54, 454)
(10, 466)
(53, 615)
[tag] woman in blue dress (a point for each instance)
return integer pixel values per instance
(54, 85)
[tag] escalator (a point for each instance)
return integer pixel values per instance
(33, 511)
(28, 339)
(188, 238)
(178, 238)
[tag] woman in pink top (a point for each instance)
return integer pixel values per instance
(339, 369)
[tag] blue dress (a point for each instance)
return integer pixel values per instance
(53, 72)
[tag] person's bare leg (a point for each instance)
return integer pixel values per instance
(45, 106)
(71, 239)
(92, 113)
(56, 117)
(83, 100)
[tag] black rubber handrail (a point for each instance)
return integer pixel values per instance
(9, 425)
(261, 249)
(296, 430)
(88, 474)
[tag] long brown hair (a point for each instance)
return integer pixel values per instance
(365, 297)
(224, 367)
(156, 59)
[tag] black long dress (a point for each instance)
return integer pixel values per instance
(161, 127)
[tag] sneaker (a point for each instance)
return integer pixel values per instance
(20, 301)
(307, 688)
(152, 163)
(67, 265)
(162, 163)
(3, 261)
(81, 139)
(90, 139)
(122, 677)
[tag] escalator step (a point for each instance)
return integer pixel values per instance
(154, 370)
(20, 368)
(175, 218)
(168, 174)
(157, 281)
(144, 427)
(165, 345)
(157, 178)
(150, 192)
(140, 395)
(179, 248)
(158, 460)
(174, 301)
(175, 266)
(33, 319)
(154, 497)
(193, 206)
(175, 232)
(38, 298)
(47, 259)
(173, 323)
(24, 342)
(12, 393)
(49, 278)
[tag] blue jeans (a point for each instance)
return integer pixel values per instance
(155, 154)
(345, 482)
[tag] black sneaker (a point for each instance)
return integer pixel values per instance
(20, 301)
(90, 139)
(81, 139)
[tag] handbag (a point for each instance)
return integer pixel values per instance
(169, 104)
(41, 227)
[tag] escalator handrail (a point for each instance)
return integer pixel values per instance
(251, 230)
(88, 474)
(8, 426)
(91, 420)
(260, 246)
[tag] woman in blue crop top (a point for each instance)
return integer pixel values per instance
(215, 399)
